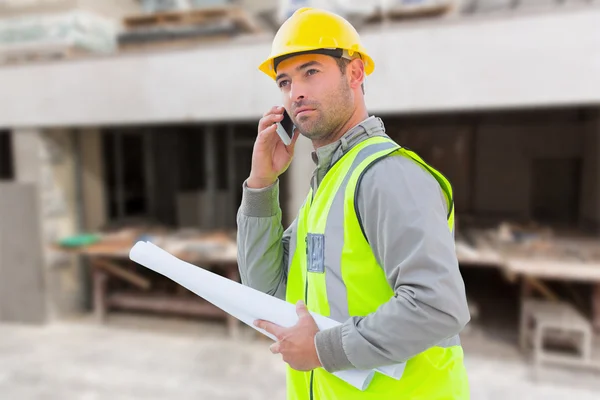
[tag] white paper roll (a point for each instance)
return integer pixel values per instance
(242, 302)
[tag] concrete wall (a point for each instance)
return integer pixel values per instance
(445, 142)
(504, 151)
(46, 159)
(590, 196)
(489, 159)
(22, 289)
(542, 59)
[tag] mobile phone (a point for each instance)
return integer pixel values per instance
(285, 128)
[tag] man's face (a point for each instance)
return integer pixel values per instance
(316, 94)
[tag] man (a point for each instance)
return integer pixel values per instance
(372, 247)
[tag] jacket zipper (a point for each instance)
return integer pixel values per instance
(311, 384)
(312, 197)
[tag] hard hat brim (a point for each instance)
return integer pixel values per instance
(267, 66)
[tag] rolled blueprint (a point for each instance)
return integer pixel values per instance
(242, 302)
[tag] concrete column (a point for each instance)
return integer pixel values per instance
(94, 190)
(26, 149)
(299, 174)
(46, 158)
(26, 155)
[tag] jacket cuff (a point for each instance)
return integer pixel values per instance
(330, 350)
(260, 203)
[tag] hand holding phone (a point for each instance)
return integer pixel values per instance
(272, 155)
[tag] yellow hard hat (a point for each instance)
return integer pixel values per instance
(311, 30)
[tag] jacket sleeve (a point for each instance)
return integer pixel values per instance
(406, 225)
(262, 243)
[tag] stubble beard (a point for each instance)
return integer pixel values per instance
(322, 123)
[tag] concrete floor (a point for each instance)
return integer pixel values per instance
(134, 358)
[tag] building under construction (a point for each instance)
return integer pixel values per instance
(149, 131)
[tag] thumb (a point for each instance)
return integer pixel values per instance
(301, 309)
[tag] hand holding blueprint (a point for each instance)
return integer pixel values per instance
(242, 302)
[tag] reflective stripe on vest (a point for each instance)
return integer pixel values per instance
(334, 270)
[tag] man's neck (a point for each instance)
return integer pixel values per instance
(356, 118)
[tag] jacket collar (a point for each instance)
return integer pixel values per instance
(324, 157)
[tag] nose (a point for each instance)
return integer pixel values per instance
(297, 92)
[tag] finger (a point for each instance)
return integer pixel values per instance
(269, 120)
(301, 309)
(267, 133)
(273, 110)
(275, 348)
(270, 327)
(270, 128)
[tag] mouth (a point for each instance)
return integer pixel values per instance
(303, 111)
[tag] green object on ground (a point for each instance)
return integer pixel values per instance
(79, 240)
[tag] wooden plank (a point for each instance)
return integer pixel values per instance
(542, 288)
(552, 269)
(164, 304)
(100, 279)
(120, 272)
(246, 21)
(410, 11)
(198, 32)
(174, 44)
(42, 52)
(434, 10)
(193, 17)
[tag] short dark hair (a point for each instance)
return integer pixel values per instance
(343, 64)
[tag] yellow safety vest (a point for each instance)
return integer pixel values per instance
(348, 281)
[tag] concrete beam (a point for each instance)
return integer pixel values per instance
(532, 60)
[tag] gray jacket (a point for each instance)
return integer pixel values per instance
(418, 257)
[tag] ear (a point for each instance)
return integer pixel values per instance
(356, 73)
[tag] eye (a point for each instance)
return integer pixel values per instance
(282, 83)
(311, 71)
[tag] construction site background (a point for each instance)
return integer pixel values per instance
(135, 120)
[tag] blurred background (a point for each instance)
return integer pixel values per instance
(135, 119)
